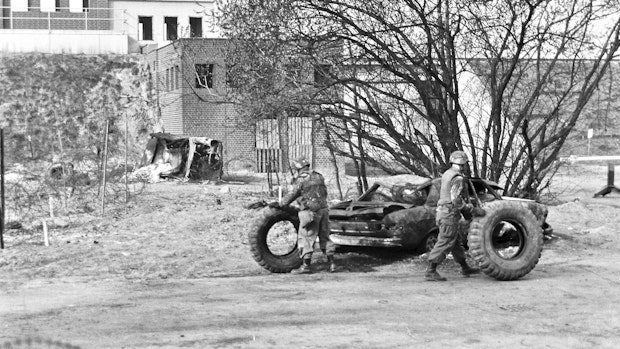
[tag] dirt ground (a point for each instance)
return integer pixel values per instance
(173, 270)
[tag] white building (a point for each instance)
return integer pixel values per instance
(100, 26)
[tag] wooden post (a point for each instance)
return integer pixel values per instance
(105, 167)
(126, 147)
(51, 205)
(280, 194)
(46, 238)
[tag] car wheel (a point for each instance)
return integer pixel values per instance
(273, 240)
(507, 242)
(429, 242)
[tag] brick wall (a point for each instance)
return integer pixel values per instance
(206, 112)
(322, 157)
(98, 17)
(168, 94)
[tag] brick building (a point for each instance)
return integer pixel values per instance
(189, 76)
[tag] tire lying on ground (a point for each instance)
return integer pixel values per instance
(507, 242)
(273, 240)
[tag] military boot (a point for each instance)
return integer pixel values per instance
(332, 264)
(305, 267)
(432, 274)
(466, 270)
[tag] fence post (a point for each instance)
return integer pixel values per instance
(105, 167)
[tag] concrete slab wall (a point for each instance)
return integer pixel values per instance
(65, 41)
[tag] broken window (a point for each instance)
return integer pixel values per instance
(195, 27)
(204, 75)
(145, 28)
(171, 28)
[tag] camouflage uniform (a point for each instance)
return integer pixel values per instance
(311, 193)
(449, 209)
(447, 219)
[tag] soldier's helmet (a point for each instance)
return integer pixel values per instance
(459, 157)
(300, 163)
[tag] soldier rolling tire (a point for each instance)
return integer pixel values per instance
(273, 240)
(507, 242)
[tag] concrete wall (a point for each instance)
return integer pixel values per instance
(41, 31)
(65, 41)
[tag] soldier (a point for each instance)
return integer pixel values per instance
(311, 193)
(449, 208)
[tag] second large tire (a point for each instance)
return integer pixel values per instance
(507, 242)
(259, 237)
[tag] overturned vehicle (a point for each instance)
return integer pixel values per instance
(173, 156)
(506, 242)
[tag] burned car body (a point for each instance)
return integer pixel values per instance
(404, 215)
(173, 156)
(506, 241)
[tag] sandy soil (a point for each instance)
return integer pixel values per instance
(173, 270)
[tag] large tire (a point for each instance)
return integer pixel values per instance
(507, 242)
(261, 234)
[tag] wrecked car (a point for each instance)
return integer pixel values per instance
(173, 156)
(507, 241)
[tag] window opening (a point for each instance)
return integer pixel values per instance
(204, 75)
(167, 81)
(177, 76)
(19, 5)
(49, 5)
(171, 28)
(145, 28)
(77, 6)
(322, 74)
(195, 25)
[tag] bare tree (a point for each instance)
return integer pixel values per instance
(415, 80)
